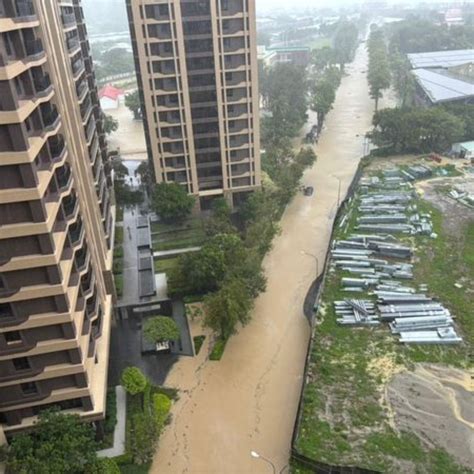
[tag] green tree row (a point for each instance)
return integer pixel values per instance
(378, 74)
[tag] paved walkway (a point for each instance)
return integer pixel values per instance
(119, 433)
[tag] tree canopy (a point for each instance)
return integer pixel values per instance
(378, 74)
(160, 329)
(60, 443)
(227, 307)
(286, 99)
(133, 380)
(132, 101)
(172, 202)
(416, 130)
(110, 124)
(345, 41)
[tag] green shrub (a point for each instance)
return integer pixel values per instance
(161, 409)
(105, 466)
(143, 438)
(133, 380)
(198, 341)
(125, 458)
(218, 349)
(111, 410)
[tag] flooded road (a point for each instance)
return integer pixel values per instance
(248, 400)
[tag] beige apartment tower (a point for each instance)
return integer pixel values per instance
(56, 217)
(196, 64)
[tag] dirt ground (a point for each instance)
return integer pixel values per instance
(248, 400)
(455, 214)
(436, 403)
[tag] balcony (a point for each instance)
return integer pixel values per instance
(50, 119)
(34, 49)
(43, 86)
(68, 19)
(63, 177)
(77, 68)
(86, 110)
(69, 205)
(57, 149)
(90, 130)
(75, 233)
(81, 90)
(72, 44)
(20, 14)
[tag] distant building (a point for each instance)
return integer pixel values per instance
(464, 149)
(443, 76)
(110, 97)
(297, 55)
(454, 16)
(197, 77)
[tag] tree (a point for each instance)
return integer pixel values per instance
(205, 270)
(287, 102)
(60, 443)
(171, 202)
(160, 329)
(110, 124)
(322, 100)
(323, 57)
(133, 380)
(132, 101)
(220, 222)
(227, 307)
(378, 74)
(120, 170)
(145, 173)
(416, 130)
(345, 42)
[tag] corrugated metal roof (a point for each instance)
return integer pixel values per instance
(443, 59)
(441, 87)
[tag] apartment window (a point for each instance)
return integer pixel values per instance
(21, 363)
(228, 76)
(5, 311)
(29, 388)
(12, 337)
(225, 4)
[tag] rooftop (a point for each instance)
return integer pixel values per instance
(111, 92)
(442, 59)
(442, 87)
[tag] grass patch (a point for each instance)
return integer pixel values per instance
(119, 284)
(118, 235)
(135, 468)
(218, 349)
(198, 341)
(318, 43)
(165, 265)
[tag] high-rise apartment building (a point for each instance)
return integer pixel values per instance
(56, 217)
(196, 63)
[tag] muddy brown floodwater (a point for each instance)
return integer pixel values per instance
(248, 400)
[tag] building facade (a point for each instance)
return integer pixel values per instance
(196, 64)
(56, 217)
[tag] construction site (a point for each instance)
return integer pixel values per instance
(388, 366)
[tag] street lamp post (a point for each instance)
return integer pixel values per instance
(338, 190)
(315, 258)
